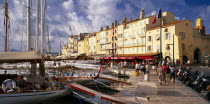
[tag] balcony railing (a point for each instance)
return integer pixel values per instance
(141, 35)
(132, 36)
(138, 44)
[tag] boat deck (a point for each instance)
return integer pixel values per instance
(99, 95)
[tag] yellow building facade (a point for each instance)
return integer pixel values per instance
(81, 47)
(136, 37)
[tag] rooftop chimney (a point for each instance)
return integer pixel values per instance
(115, 23)
(142, 14)
(124, 20)
(107, 27)
(101, 29)
(112, 24)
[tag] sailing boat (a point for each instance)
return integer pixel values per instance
(10, 93)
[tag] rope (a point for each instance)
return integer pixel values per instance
(97, 87)
(136, 100)
(101, 83)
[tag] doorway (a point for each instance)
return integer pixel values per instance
(197, 55)
(185, 59)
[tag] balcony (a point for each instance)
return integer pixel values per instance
(132, 36)
(131, 45)
(142, 35)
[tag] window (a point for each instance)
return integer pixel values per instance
(149, 48)
(183, 46)
(119, 35)
(166, 29)
(186, 24)
(149, 38)
(158, 37)
(97, 41)
(182, 35)
(107, 39)
(106, 33)
(167, 36)
(127, 26)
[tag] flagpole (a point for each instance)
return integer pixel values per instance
(160, 37)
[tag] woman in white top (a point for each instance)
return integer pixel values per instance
(136, 65)
(146, 76)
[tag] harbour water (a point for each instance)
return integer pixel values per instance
(70, 99)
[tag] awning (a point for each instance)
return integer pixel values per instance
(11, 57)
(123, 58)
(146, 57)
(105, 57)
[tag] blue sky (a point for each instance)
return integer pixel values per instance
(90, 15)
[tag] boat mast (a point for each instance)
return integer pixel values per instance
(48, 40)
(29, 26)
(6, 25)
(37, 25)
(43, 5)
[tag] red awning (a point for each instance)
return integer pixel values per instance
(123, 58)
(106, 57)
(146, 57)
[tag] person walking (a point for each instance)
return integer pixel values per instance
(136, 65)
(125, 64)
(147, 76)
(167, 74)
(172, 75)
(164, 72)
(160, 74)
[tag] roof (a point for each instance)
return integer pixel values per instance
(9, 57)
(168, 24)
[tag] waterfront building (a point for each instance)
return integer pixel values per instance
(134, 38)
(81, 46)
(92, 44)
(65, 50)
(98, 45)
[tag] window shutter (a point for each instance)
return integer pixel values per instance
(165, 35)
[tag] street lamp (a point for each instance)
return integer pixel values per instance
(173, 48)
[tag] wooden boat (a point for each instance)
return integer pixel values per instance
(31, 97)
(26, 96)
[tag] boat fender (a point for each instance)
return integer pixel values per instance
(8, 82)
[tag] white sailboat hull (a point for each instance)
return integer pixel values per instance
(32, 97)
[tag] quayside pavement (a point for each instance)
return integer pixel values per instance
(176, 93)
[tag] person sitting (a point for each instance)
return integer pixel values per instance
(21, 83)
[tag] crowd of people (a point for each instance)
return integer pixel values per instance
(164, 70)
